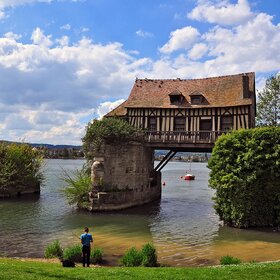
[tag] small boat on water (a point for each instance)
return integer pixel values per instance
(189, 177)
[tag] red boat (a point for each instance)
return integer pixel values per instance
(189, 177)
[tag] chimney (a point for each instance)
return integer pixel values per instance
(246, 92)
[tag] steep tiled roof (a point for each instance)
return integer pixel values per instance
(218, 91)
(118, 111)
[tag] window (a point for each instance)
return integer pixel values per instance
(179, 124)
(152, 125)
(196, 99)
(206, 124)
(205, 128)
(226, 123)
(176, 98)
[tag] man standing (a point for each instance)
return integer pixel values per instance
(86, 239)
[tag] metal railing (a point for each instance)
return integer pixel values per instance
(182, 136)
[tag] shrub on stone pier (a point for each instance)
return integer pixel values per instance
(107, 131)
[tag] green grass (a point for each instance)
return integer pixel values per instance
(26, 270)
(228, 260)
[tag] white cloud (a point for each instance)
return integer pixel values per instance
(65, 27)
(180, 39)
(39, 38)
(144, 34)
(49, 92)
(5, 4)
(108, 106)
(63, 41)
(252, 46)
(198, 51)
(85, 29)
(222, 12)
(11, 35)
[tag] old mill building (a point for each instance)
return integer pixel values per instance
(190, 111)
(176, 115)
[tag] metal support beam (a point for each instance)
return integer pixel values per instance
(165, 160)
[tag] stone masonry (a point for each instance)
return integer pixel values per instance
(123, 176)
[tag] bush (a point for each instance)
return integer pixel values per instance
(132, 257)
(20, 166)
(227, 260)
(149, 255)
(245, 172)
(53, 250)
(107, 130)
(96, 256)
(78, 188)
(73, 254)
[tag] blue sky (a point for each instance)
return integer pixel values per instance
(64, 62)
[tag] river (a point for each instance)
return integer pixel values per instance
(183, 225)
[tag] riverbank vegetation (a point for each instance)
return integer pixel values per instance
(20, 169)
(14, 269)
(77, 187)
(245, 172)
(72, 254)
(54, 250)
(146, 257)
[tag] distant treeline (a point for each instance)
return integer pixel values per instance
(186, 157)
(63, 153)
(55, 151)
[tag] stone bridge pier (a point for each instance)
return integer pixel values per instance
(123, 176)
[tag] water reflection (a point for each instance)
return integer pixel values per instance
(182, 225)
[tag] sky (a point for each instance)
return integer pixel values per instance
(66, 62)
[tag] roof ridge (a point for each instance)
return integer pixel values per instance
(180, 79)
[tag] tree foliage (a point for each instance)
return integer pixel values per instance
(20, 165)
(268, 106)
(109, 131)
(245, 172)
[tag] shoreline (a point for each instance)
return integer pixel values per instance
(108, 265)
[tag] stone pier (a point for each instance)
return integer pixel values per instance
(123, 176)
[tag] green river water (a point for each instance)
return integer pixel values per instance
(183, 225)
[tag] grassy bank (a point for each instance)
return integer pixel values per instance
(26, 270)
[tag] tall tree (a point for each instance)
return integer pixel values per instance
(268, 106)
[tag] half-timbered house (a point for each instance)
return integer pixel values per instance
(190, 111)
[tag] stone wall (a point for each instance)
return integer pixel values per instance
(123, 176)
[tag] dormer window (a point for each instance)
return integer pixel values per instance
(176, 97)
(196, 98)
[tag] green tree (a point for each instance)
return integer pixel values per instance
(245, 172)
(20, 165)
(268, 106)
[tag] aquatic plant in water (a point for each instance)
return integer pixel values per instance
(77, 188)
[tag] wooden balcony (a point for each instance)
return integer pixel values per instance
(193, 141)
